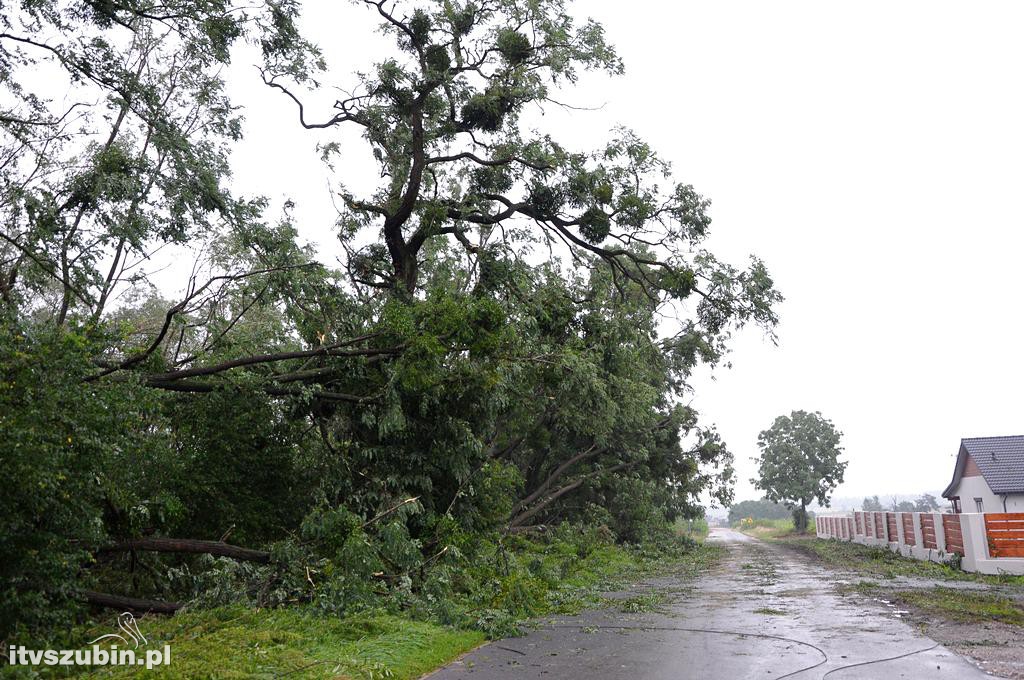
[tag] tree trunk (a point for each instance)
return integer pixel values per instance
(132, 604)
(189, 545)
(800, 518)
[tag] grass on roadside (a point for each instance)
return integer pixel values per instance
(766, 528)
(614, 568)
(300, 643)
(884, 563)
(697, 529)
(950, 603)
(966, 606)
(231, 642)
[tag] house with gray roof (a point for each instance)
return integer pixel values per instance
(989, 475)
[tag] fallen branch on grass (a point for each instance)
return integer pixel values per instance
(190, 545)
(132, 604)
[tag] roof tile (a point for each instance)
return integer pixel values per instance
(1001, 461)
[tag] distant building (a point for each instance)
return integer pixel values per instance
(989, 475)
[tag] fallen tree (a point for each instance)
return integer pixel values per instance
(189, 545)
(132, 604)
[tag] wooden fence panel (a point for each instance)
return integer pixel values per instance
(908, 529)
(1005, 533)
(928, 538)
(890, 525)
(954, 535)
(858, 519)
(879, 525)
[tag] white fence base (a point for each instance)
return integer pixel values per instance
(975, 557)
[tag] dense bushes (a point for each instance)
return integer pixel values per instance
(487, 584)
(64, 446)
(470, 445)
(757, 510)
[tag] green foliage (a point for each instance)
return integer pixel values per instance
(696, 529)
(799, 462)
(514, 46)
(595, 225)
(763, 509)
(389, 430)
(63, 442)
(487, 111)
(47, 449)
(125, 170)
(488, 584)
(237, 465)
(557, 575)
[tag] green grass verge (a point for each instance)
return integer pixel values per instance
(585, 591)
(609, 568)
(765, 528)
(300, 643)
(697, 529)
(949, 603)
(235, 642)
(965, 606)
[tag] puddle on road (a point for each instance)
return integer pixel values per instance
(897, 613)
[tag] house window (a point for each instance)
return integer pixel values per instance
(978, 503)
(956, 505)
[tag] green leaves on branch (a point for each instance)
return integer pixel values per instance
(799, 462)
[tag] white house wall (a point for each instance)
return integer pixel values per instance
(975, 487)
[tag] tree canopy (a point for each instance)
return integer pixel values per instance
(762, 509)
(799, 462)
(491, 357)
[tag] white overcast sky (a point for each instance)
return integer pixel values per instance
(872, 153)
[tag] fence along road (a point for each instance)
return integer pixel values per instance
(990, 543)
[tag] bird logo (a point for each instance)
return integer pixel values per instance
(126, 623)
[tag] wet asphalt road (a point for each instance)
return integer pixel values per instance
(763, 612)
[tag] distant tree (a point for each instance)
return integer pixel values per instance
(903, 506)
(872, 504)
(799, 462)
(926, 503)
(762, 509)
